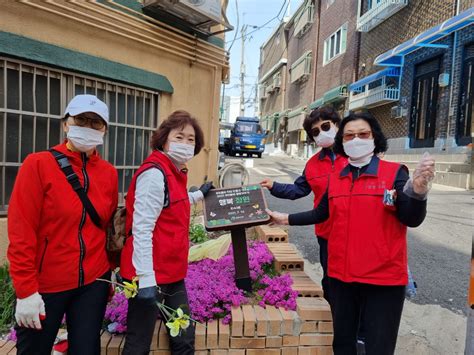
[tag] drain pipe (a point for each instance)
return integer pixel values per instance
(451, 89)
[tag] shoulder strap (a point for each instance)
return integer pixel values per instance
(73, 179)
(166, 201)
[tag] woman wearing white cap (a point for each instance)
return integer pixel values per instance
(56, 228)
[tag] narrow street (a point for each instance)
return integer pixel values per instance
(439, 254)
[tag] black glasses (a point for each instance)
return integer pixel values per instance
(326, 126)
(361, 135)
(95, 123)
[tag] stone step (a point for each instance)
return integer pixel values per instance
(444, 167)
(448, 158)
(455, 174)
(453, 179)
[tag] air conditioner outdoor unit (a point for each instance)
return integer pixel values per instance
(277, 81)
(269, 89)
(397, 112)
(200, 14)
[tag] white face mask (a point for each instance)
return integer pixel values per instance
(180, 153)
(359, 148)
(325, 139)
(84, 138)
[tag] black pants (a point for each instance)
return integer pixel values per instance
(84, 308)
(141, 319)
(323, 258)
(382, 310)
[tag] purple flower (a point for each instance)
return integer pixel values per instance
(12, 335)
(212, 291)
(116, 313)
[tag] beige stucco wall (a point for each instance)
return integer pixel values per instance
(193, 67)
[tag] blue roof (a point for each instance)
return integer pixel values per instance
(373, 77)
(393, 56)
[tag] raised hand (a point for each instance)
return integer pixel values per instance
(268, 183)
(423, 174)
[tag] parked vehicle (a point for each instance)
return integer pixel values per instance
(247, 136)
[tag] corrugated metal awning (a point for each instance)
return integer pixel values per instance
(394, 56)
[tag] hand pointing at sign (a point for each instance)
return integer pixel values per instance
(277, 217)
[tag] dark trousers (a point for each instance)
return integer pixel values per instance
(84, 308)
(141, 319)
(382, 310)
(323, 258)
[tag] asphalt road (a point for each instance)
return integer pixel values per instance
(439, 250)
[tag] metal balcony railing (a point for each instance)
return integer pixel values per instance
(379, 12)
(374, 97)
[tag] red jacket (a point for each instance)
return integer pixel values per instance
(317, 171)
(48, 250)
(367, 242)
(171, 233)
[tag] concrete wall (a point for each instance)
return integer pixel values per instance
(274, 50)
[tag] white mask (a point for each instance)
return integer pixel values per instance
(325, 139)
(84, 138)
(359, 148)
(180, 153)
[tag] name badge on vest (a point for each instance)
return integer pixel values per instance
(389, 198)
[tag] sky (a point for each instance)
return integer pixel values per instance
(252, 13)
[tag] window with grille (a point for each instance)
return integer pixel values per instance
(32, 103)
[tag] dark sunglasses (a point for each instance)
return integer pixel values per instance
(95, 123)
(326, 126)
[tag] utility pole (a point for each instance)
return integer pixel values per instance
(243, 34)
(256, 103)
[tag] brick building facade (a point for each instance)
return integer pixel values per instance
(388, 57)
(341, 68)
(272, 81)
(410, 76)
(301, 31)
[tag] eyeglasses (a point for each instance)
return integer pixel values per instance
(361, 135)
(95, 123)
(326, 126)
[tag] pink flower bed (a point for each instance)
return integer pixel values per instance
(212, 291)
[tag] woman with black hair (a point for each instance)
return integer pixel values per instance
(371, 202)
(321, 126)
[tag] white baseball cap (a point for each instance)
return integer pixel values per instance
(87, 103)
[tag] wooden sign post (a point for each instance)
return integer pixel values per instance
(235, 209)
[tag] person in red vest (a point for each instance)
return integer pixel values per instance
(321, 127)
(370, 202)
(57, 249)
(158, 216)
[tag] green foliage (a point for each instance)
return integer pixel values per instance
(7, 300)
(197, 233)
(268, 270)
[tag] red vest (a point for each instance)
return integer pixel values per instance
(171, 233)
(367, 242)
(317, 172)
